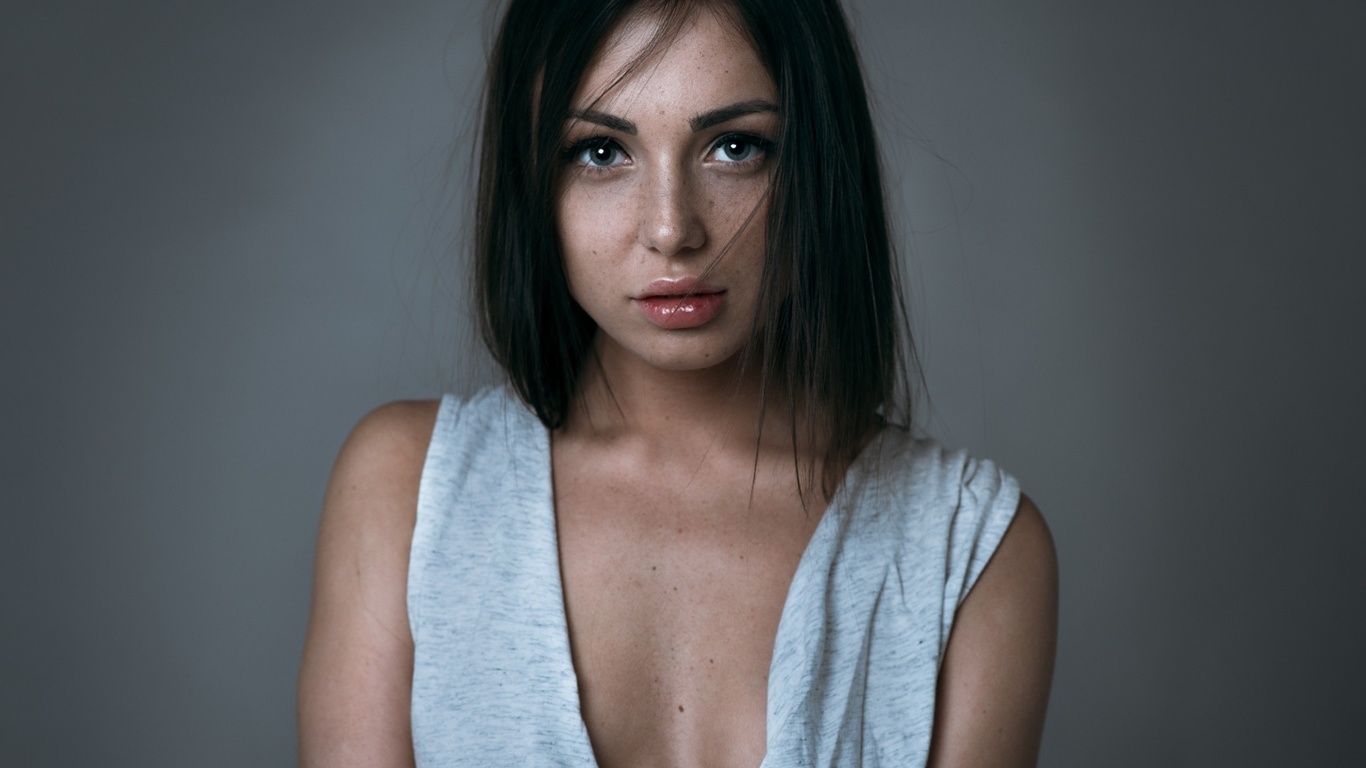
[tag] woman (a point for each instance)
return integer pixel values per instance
(688, 531)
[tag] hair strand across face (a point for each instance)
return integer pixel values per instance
(830, 333)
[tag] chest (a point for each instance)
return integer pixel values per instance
(674, 585)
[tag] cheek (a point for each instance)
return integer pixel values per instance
(743, 217)
(589, 219)
(577, 239)
(586, 248)
(730, 203)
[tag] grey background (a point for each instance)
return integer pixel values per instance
(1134, 247)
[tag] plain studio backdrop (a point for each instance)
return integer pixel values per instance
(1134, 248)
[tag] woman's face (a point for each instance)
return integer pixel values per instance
(664, 171)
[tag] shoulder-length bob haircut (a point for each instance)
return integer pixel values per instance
(830, 332)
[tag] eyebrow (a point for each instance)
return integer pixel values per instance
(606, 120)
(738, 109)
(698, 122)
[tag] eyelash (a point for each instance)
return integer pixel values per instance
(574, 151)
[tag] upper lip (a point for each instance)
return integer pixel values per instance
(677, 286)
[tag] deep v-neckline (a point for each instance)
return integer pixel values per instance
(818, 546)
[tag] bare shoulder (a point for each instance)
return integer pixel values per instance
(1026, 554)
(371, 500)
(355, 677)
(998, 668)
(386, 448)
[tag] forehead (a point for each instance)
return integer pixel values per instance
(641, 64)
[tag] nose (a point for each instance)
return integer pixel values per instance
(670, 222)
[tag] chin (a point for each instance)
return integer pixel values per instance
(693, 360)
(683, 355)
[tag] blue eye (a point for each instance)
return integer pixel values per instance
(597, 153)
(739, 148)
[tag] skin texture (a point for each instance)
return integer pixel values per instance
(653, 481)
(663, 200)
(679, 521)
(355, 678)
(997, 670)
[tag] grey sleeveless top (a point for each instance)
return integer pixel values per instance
(858, 649)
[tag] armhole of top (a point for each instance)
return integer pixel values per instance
(996, 520)
(988, 499)
(425, 521)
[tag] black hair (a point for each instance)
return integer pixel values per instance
(831, 329)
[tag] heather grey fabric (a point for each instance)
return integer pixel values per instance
(855, 661)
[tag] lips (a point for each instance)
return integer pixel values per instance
(681, 303)
(677, 287)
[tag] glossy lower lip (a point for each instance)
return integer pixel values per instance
(674, 313)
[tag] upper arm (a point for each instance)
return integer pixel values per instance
(996, 672)
(355, 679)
